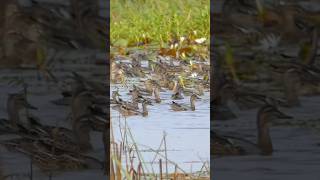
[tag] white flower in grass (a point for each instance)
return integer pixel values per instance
(182, 38)
(200, 40)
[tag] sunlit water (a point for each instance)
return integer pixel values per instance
(296, 150)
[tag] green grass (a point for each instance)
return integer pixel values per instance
(158, 21)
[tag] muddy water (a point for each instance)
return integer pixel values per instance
(40, 93)
(296, 149)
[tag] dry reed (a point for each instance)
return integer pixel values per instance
(123, 154)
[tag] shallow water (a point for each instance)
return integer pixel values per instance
(296, 149)
(187, 132)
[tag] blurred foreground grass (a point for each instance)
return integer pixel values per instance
(157, 21)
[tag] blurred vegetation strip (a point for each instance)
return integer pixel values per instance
(229, 57)
(145, 21)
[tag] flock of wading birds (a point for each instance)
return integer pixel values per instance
(55, 147)
(161, 75)
(58, 147)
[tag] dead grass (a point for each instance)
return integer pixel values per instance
(122, 152)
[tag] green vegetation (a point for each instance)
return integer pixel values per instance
(158, 21)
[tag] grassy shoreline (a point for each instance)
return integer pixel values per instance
(136, 21)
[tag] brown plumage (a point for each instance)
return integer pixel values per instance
(227, 145)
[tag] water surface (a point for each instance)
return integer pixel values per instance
(296, 149)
